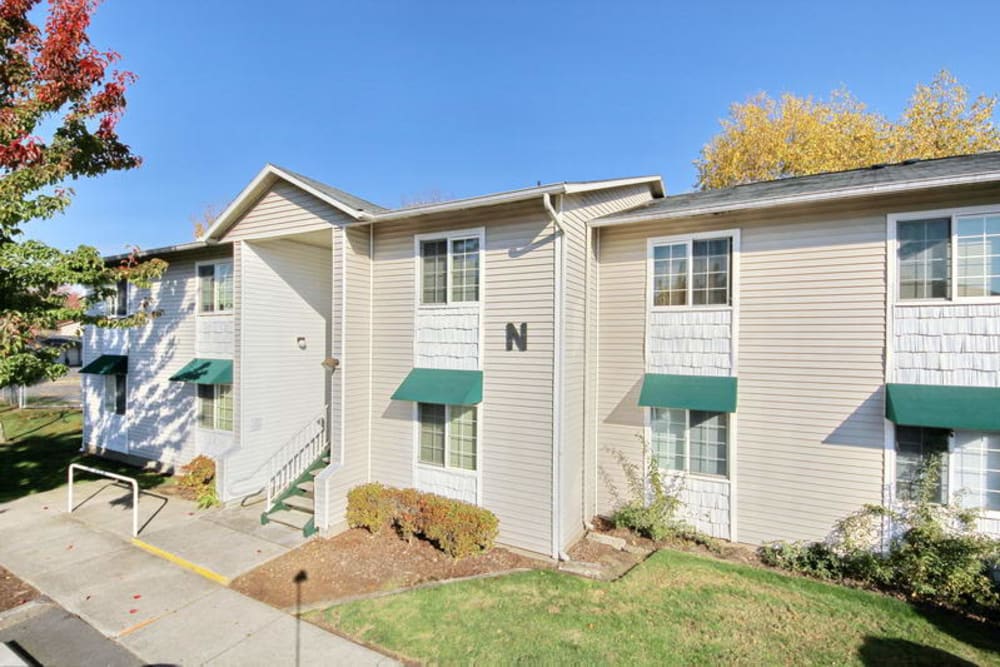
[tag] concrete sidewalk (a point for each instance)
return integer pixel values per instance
(162, 613)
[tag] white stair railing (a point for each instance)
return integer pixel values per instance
(295, 456)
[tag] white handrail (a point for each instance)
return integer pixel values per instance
(105, 473)
(295, 456)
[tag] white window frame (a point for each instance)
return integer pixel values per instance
(949, 482)
(687, 446)
(688, 239)
(215, 294)
(893, 220)
(215, 409)
(447, 443)
(448, 236)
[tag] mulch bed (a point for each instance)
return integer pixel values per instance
(13, 591)
(737, 553)
(358, 563)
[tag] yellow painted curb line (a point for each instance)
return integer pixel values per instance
(182, 562)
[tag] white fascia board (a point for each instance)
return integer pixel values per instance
(163, 250)
(844, 193)
(264, 179)
(515, 196)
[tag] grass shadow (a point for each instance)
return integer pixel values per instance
(882, 651)
(42, 444)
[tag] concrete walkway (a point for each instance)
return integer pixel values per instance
(161, 612)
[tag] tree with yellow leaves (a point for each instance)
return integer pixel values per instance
(765, 139)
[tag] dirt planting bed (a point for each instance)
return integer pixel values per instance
(357, 563)
(13, 591)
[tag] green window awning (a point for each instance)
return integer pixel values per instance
(107, 364)
(206, 371)
(943, 406)
(691, 392)
(445, 387)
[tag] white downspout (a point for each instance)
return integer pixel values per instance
(557, 378)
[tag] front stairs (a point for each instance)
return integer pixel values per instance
(295, 506)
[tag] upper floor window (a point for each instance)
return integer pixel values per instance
(450, 268)
(692, 272)
(949, 257)
(121, 298)
(215, 287)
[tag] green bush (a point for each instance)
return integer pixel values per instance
(933, 553)
(652, 504)
(458, 529)
(369, 506)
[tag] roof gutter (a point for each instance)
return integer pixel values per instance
(833, 195)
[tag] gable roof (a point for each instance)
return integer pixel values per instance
(364, 211)
(877, 179)
(355, 207)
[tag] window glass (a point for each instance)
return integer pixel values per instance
(916, 448)
(924, 258)
(710, 272)
(979, 255)
(465, 269)
(121, 298)
(434, 271)
(206, 287)
(224, 407)
(223, 287)
(206, 406)
(977, 469)
(121, 394)
(669, 427)
(670, 274)
(110, 393)
(708, 442)
(432, 433)
(462, 437)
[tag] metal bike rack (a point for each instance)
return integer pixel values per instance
(105, 473)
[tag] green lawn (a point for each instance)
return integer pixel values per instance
(42, 444)
(675, 608)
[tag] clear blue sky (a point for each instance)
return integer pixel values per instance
(393, 99)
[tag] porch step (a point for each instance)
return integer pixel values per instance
(291, 518)
(300, 503)
(307, 487)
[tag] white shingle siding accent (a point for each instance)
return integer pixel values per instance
(215, 336)
(947, 344)
(690, 342)
(447, 483)
(706, 504)
(447, 337)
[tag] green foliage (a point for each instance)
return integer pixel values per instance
(652, 503)
(674, 608)
(458, 529)
(933, 554)
(198, 482)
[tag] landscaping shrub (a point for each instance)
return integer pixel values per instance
(652, 503)
(933, 553)
(198, 481)
(458, 529)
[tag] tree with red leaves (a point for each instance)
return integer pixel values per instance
(53, 77)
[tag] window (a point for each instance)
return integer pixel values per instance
(694, 272)
(977, 469)
(215, 407)
(924, 254)
(215, 287)
(979, 255)
(448, 436)
(449, 269)
(121, 298)
(949, 257)
(916, 448)
(115, 394)
(691, 440)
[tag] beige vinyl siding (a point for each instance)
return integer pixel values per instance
(355, 369)
(516, 413)
(577, 211)
(811, 343)
(285, 294)
(285, 209)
